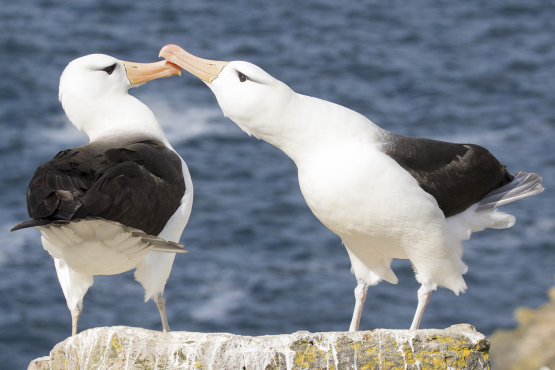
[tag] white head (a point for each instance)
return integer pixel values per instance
(251, 97)
(268, 109)
(248, 95)
(93, 93)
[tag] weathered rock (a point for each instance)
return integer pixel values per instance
(457, 347)
(41, 363)
(531, 345)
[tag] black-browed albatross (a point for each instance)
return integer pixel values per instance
(387, 196)
(120, 202)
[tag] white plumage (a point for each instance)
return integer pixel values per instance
(93, 93)
(358, 181)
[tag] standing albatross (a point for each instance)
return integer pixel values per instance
(387, 196)
(120, 202)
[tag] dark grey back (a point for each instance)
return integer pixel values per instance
(136, 182)
(457, 175)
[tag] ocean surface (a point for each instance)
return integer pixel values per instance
(260, 263)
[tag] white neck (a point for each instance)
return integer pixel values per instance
(114, 115)
(306, 122)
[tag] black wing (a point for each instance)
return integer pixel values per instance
(457, 175)
(139, 185)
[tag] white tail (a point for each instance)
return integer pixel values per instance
(484, 214)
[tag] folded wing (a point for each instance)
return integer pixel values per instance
(138, 184)
(456, 175)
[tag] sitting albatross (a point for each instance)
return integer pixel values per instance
(387, 196)
(120, 202)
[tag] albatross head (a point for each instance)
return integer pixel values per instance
(248, 95)
(93, 92)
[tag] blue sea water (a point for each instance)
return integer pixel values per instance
(260, 263)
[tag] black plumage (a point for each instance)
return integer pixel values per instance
(456, 175)
(138, 183)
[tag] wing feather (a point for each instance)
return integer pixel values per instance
(138, 184)
(457, 175)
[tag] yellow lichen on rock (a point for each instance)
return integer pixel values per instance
(116, 348)
(115, 343)
(431, 359)
(306, 358)
(408, 354)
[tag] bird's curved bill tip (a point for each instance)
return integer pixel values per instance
(139, 73)
(205, 69)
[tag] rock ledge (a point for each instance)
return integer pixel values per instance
(457, 347)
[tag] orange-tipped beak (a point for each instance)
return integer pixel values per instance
(139, 73)
(206, 70)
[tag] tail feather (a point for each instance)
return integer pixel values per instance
(523, 185)
(483, 215)
(158, 244)
(33, 223)
(169, 247)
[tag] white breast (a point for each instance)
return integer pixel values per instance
(366, 197)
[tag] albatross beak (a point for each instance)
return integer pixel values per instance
(139, 73)
(206, 70)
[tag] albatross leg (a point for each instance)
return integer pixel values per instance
(74, 285)
(161, 304)
(360, 296)
(423, 299)
(75, 314)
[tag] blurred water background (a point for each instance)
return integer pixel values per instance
(260, 262)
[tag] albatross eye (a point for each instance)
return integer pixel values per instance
(242, 77)
(110, 69)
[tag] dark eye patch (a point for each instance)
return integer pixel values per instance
(242, 77)
(110, 69)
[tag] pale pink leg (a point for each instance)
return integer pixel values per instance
(161, 304)
(360, 296)
(423, 299)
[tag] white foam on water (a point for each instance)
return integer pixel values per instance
(179, 124)
(187, 122)
(41, 144)
(219, 306)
